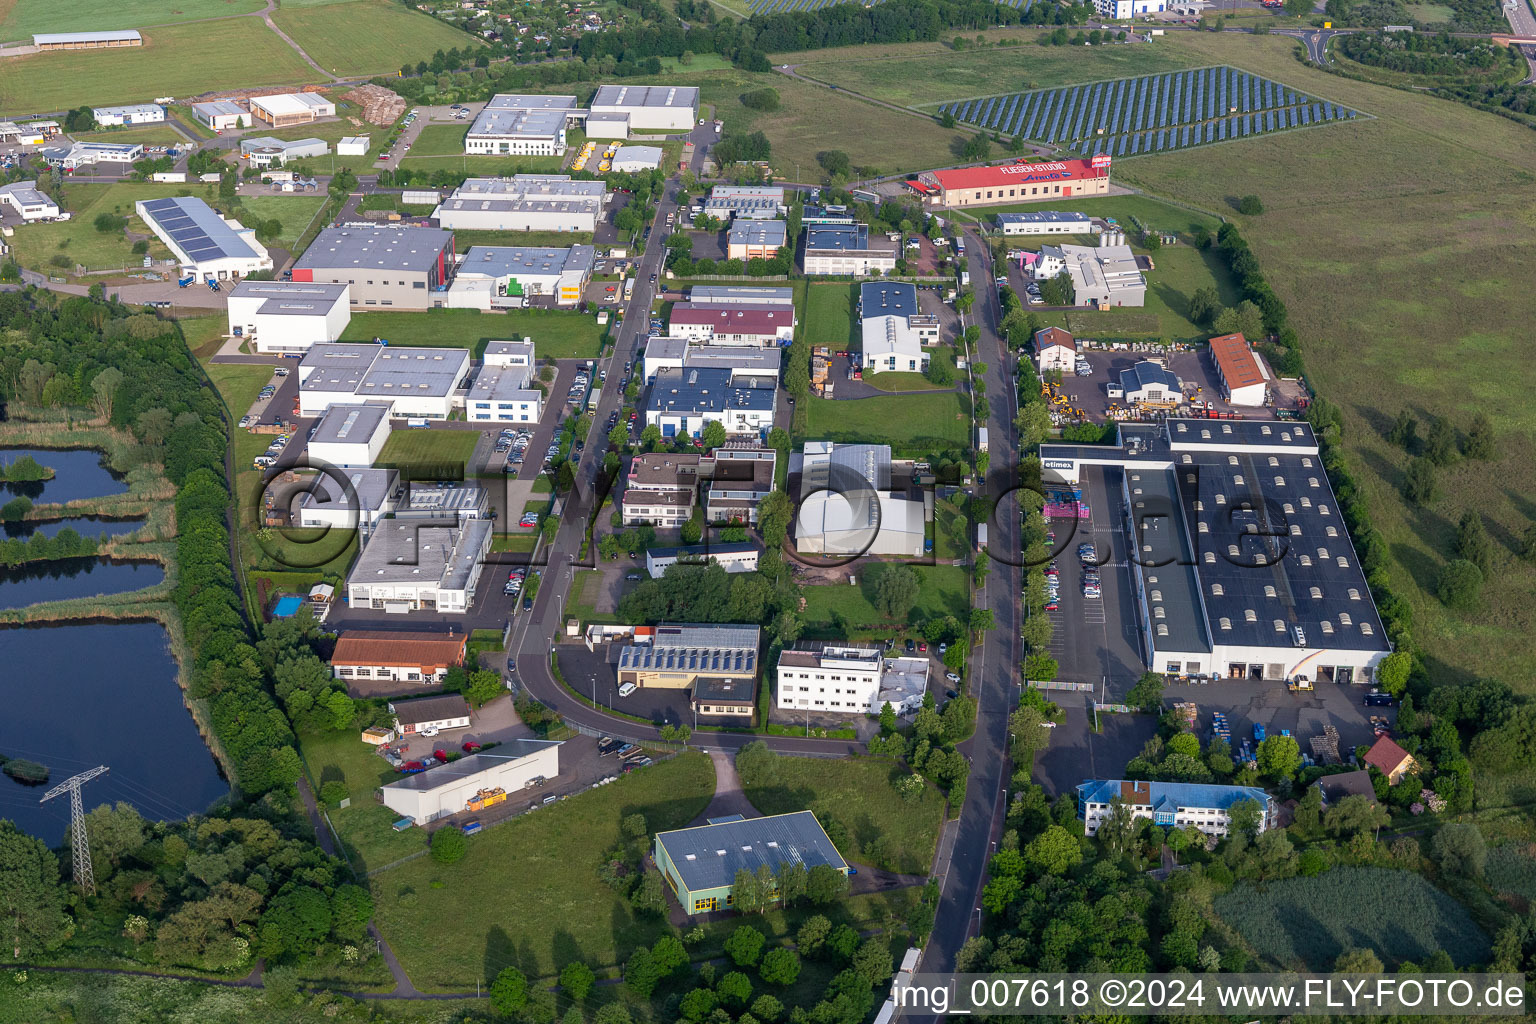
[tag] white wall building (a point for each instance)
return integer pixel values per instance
(1045, 222)
(892, 328)
(265, 151)
(221, 115)
(350, 435)
(408, 566)
(415, 382)
(428, 715)
(506, 276)
(767, 326)
(740, 557)
(1171, 804)
(356, 502)
(205, 243)
(89, 154)
(682, 401)
(290, 108)
(447, 789)
(630, 159)
(510, 354)
(353, 145)
(1103, 276)
(134, 113)
(847, 249)
(288, 316)
(522, 124)
(1055, 350)
(650, 108)
(1121, 10)
(1243, 375)
(845, 679)
(502, 395)
(525, 202)
(29, 203)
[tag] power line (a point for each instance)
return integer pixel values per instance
(80, 842)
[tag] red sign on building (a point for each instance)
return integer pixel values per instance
(1100, 161)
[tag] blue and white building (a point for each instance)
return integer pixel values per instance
(1171, 804)
(133, 113)
(208, 245)
(1123, 10)
(683, 400)
(1045, 222)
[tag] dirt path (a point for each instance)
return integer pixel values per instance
(266, 16)
(728, 798)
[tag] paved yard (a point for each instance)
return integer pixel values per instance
(1076, 753)
(1272, 705)
(592, 674)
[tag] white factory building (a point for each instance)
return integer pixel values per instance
(353, 145)
(89, 154)
(265, 151)
(1124, 10)
(288, 316)
(681, 402)
(848, 505)
(745, 202)
(1045, 222)
(892, 328)
(350, 435)
(507, 276)
(525, 202)
(844, 679)
(504, 394)
(222, 115)
(411, 565)
(662, 353)
(290, 108)
(29, 203)
(206, 244)
(512, 123)
(631, 159)
(417, 383)
(356, 501)
(1171, 804)
(133, 113)
(715, 296)
(447, 789)
(1102, 276)
(649, 108)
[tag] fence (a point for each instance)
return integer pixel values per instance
(1059, 684)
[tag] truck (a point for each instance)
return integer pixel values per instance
(213, 284)
(965, 279)
(629, 289)
(485, 798)
(185, 281)
(981, 439)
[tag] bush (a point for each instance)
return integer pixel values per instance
(761, 99)
(1250, 206)
(107, 223)
(1459, 584)
(333, 792)
(449, 845)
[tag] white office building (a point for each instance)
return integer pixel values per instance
(510, 354)
(89, 154)
(134, 113)
(28, 201)
(681, 402)
(520, 124)
(1123, 10)
(507, 276)
(745, 202)
(424, 383)
(664, 353)
(1055, 350)
(265, 151)
(714, 296)
(501, 394)
(206, 244)
(414, 565)
(1102, 276)
(525, 202)
(844, 679)
(357, 501)
(1045, 222)
(350, 435)
(893, 329)
(649, 108)
(288, 316)
(222, 115)
(1171, 804)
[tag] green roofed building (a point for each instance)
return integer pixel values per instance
(701, 863)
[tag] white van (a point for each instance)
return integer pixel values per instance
(627, 689)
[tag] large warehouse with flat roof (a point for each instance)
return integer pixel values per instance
(416, 382)
(447, 789)
(700, 864)
(515, 123)
(1244, 566)
(206, 244)
(1011, 183)
(397, 267)
(288, 316)
(649, 107)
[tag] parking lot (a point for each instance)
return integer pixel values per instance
(1246, 702)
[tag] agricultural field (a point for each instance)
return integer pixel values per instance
(368, 36)
(175, 60)
(1305, 923)
(941, 418)
(24, 17)
(1129, 116)
(1405, 290)
(560, 333)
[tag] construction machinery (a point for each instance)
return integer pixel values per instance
(1301, 684)
(485, 798)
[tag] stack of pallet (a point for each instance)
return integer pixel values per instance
(1326, 747)
(378, 104)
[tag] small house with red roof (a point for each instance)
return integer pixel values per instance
(1390, 759)
(1055, 349)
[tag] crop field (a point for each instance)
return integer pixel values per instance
(1130, 116)
(175, 60)
(1403, 282)
(368, 36)
(1307, 922)
(20, 18)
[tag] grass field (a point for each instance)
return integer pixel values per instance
(944, 591)
(429, 447)
(528, 891)
(829, 315)
(365, 827)
(928, 80)
(330, 33)
(488, 166)
(77, 238)
(440, 140)
(148, 134)
(462, 240)
(23, 17)
(559, 333)
(1307, 922)
(1512, 871)
(295, 211)
(942, 418)
(1405, 290)
(859, 793)
(175, 60)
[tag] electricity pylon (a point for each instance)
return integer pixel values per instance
(81, 844)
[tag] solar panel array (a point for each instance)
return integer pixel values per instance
(790, 6)
(1129, 116)
(192, 239)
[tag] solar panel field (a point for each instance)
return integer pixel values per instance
(790, 6)
(1150, 113)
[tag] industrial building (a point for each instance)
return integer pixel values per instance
(290, 108)
(408, 565)
(134, 113)
(390, 266)
(1124, 10)
(649, 108)
(736, 480)
(444, 502)
(607, 126)
(449, 788)
(745, 202)
(1102, 276)
(733, 557)
(1045, 222)
(350, 435)
(760, 327)
(89, 154)
(506, 276)
(525, 202)
(414, 382)
(679, 353)
(845, 679)
(265, 151)
(421, 659)
(681, 402)
(502, 394)
(1171, 804)
(755, 239)
(727, 701)
(87, 40)
(714, 296)
(632, 159)
(521, 124)
(1012, 183)
(892, 329)
(1246, 568)
(206, 244)
(28, 201)
(701, 863)
(288, 316)
(1244, 376)
(1055, 350)
(661, 488)
(356, 502)
(1149, 383)
(847, 249)
(673, 655)
(222, 115)
(353, 145)
(850, 505)
(428, 715)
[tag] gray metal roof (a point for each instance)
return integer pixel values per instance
(290, 298)
(513, 114)
(645, 96)
(369, 490)
(708, 857)
(1288, 435)
(376, 248)
(26, 193)
(509, 384)
(195, 229)
(129, 108)
(836, 237)
(215, 107)
(757, 232)
(506, 752)
(739, 294)
(350, 424)
(118, 35)
(704, 390)
(887, 298)
(429, 709)
(664, 347)
(1042, 217)
(526, 261)
(407, 551)
(1139, 375)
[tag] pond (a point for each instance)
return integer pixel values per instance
(65, 578)
(78, 473)
(85, 526)
(136, 724)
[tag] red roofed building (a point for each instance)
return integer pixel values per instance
(418, 658)
(762, 326)
(1242, 373)
(1055, 349)
(1011, 183)
(1390, 759)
